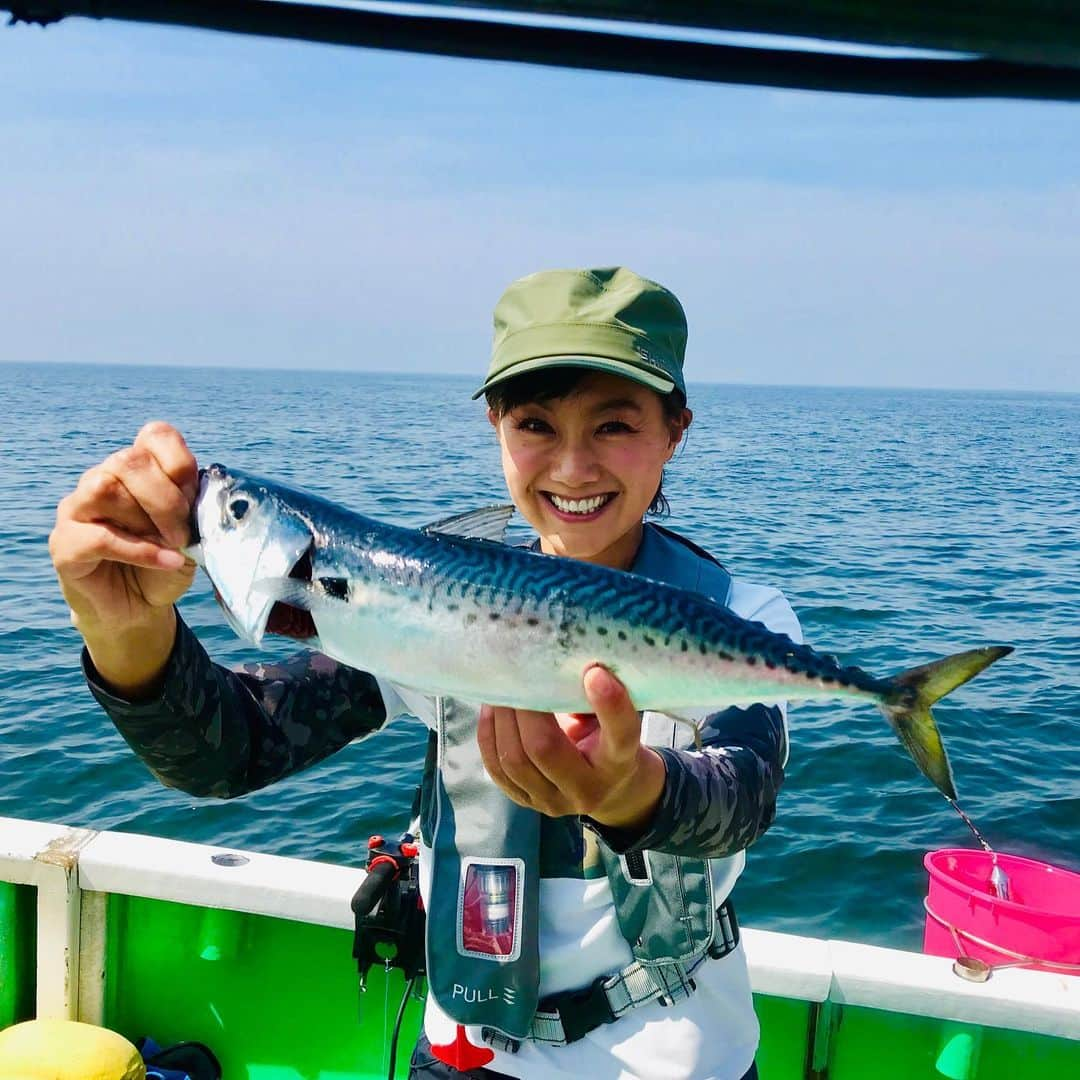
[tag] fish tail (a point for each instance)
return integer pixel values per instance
(907, 708)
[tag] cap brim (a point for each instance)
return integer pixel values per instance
(660, 383)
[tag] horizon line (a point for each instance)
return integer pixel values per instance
(144, 364)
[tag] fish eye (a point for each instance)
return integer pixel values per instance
(238, 508)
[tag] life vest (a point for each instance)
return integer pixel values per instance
(482, 926)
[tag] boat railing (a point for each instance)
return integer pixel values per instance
(73, 872)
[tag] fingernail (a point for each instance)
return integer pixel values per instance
(172, 560)
(603, 685)
(595, 667)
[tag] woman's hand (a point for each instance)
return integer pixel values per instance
(114, 548)
(580, 764)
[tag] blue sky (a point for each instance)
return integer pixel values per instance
(182, 197)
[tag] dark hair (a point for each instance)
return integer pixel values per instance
(554, 384)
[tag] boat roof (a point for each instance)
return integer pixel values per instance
(1007, 48)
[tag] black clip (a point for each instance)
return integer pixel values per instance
(726, 938)
(581, 1011)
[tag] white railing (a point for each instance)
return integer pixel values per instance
(73, 870)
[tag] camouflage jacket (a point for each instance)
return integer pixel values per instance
(214, 732)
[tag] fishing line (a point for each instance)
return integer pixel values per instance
(397, 1027)
(999, 881)
(971, 825)
(385, 1011)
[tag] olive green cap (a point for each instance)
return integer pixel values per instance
(608, 320)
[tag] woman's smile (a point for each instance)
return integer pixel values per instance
(583, 469)
(579, 508)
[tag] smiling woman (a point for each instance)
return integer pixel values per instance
(587, 396)
(567, 860)
(585, 465)
(542, 391)
(545, 810)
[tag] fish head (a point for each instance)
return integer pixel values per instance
(245, 533)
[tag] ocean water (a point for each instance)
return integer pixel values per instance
(902, 525)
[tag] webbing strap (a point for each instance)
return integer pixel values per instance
(628, 989)
(564, 1018)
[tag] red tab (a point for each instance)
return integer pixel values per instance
(462, 1054)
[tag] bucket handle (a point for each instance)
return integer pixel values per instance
(1018, 959)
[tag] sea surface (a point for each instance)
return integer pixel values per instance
(902, 525)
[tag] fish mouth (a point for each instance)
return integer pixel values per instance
(193, 550)
(293, 622)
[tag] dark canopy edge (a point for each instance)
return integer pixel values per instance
(1029, 31)
(584, 49)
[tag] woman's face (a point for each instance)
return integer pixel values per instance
(583, 469)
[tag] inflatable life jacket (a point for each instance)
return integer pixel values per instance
(483, 963)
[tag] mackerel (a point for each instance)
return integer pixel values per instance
(448, 610)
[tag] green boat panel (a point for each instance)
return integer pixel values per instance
(278, 1000)
(274, 999)
(18, 952)
(903, 1047)
(785, 1028)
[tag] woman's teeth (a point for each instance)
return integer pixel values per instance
(579, 506)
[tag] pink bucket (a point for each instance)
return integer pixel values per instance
(1040, 922)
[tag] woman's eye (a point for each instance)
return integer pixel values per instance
(614, 427)
(534, 425)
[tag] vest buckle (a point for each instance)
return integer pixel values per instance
(581, 1011)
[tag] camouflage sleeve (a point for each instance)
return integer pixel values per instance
(720, 799)
(211, 731)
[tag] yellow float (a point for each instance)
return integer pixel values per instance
(67, 1050)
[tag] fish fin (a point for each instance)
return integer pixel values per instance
(686, 721)
(487, 523)
(194, 552)
(907, 708)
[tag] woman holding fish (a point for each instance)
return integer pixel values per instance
(579, 862)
